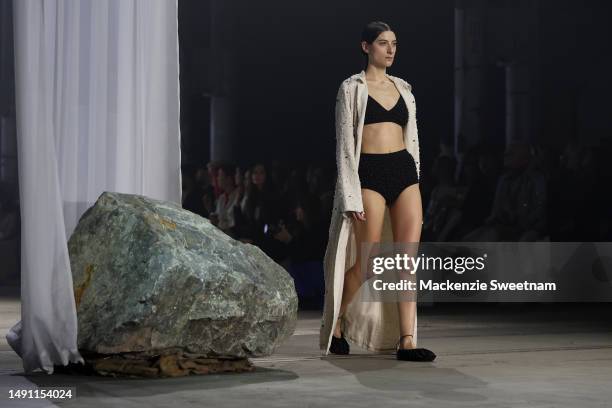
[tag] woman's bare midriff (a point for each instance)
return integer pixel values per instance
(382, 137)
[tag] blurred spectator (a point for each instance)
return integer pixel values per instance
(305, 235)
(519, 206)
(305, 239)
(209, 197)
(212, 168)
(479, 173)
(246, 185)
(223, 216)
(261, 211)
(445, 196)
(239, 182)
(192, 192)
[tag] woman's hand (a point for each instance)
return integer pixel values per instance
(357, 215)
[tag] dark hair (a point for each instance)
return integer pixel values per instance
(254, 196)
(228, 168)
(370, 32)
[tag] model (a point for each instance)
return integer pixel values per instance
(377, 199)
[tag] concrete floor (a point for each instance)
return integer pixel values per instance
(524, 355)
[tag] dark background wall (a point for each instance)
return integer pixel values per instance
(268, 71)
(576, 60)
(286, 60)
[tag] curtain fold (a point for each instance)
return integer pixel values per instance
(97, 99)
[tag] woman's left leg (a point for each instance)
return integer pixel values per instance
(406, 214)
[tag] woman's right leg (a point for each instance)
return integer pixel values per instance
(365, 231)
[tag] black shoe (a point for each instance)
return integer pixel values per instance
(414, 354)
(339, 345)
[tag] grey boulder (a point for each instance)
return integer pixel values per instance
(150, 276)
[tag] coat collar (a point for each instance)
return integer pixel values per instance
(361, 77)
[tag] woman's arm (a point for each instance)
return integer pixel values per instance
(348, 184)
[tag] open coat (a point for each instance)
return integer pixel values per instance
(371, 325)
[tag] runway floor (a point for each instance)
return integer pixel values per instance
(489, 355)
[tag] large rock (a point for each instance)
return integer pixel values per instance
(150, 276)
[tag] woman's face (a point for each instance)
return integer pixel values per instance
(382, 50)
(299, 213)
(221, 178)
(259, 175)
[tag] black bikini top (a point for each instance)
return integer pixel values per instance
(375, 112)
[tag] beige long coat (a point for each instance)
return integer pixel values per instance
(371, 325)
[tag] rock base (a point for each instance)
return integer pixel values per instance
(173, 363)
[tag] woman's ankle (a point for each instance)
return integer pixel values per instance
(337, 330)
(406, 342)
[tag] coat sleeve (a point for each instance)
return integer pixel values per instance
(348, 184)
(413, 143)
(417, 150)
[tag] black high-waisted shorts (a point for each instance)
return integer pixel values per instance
(387, 173)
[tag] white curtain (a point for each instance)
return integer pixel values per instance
(97, 97)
